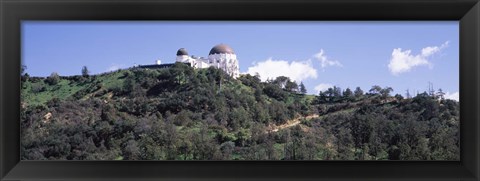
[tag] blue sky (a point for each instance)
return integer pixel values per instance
(400, 54)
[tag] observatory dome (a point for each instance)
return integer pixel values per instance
(221, 49)
(182, 51)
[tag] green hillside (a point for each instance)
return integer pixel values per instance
(181, 113)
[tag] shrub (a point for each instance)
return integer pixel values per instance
(53, 79)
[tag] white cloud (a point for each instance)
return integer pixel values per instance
(404, 61)
(324, 61)
(453, 96)
(114, 67)
(322, 87)
(295, 70)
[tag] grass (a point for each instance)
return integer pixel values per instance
(62, 90)
(65, 88)
(113, 80)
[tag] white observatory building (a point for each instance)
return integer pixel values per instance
(221, 56)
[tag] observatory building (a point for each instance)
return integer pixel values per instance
(221, 56)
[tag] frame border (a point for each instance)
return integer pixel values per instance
(12, 12)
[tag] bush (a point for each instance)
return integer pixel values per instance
(36, 88)
(53, 79)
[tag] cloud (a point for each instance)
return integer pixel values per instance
(114, 67)
(452, 96)
(404, 61)
(324, 61)
(295, 70)
(322, 87)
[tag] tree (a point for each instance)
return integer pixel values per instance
(53, 79)
(322, 98)
(291, 86)
(249, 80)
(129, 85)
(26, 76)
(85, 71)
(239, 118)
(227, 149)
(344, 143)
(385, 92)
(260, 113)
(274, 91)
(348, 94)
(334, 93)
(303, 90)
(399, 97)
(281, 81)
(330, 95)
(131, 150)
(375, 89)
(23, 74)
(358, 92)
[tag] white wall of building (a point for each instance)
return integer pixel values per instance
(226, 62)
(183, 58)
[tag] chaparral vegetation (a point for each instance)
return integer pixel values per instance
(182, 113)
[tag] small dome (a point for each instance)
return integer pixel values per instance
(221, 49)
(182, 51)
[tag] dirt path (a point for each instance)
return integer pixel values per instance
(296, 121)
(290, 123)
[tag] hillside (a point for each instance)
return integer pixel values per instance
(180, 113)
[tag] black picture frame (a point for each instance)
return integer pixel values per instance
(12, 12)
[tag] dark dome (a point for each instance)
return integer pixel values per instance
(182, 51)
(221, 48)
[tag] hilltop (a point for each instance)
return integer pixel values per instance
(181, 113)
